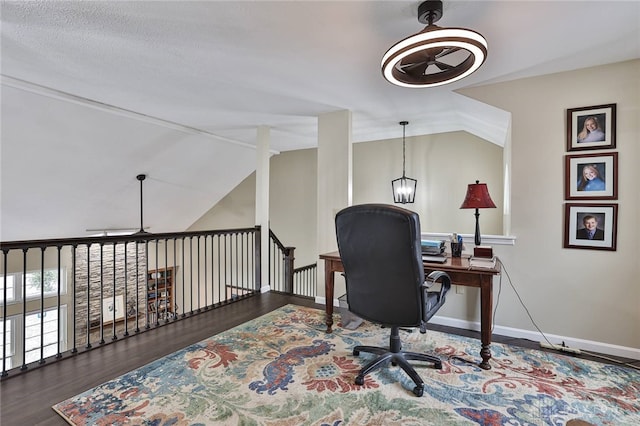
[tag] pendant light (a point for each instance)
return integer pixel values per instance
(404, 188)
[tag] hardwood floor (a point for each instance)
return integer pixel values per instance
(26, 398)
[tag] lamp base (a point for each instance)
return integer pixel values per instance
(483, 251)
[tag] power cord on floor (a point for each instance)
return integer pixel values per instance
(551, 345)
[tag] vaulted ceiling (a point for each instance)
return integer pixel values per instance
(94, 93)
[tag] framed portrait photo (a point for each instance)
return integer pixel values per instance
(591, 176)
(592, 127)
(590, 226)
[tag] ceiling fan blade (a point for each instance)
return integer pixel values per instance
(448, 51)
(414, 69)
(113, 231)
(444, 66)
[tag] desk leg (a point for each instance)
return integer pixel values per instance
(328, 294)
(486, 320)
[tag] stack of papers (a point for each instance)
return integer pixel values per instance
(482, 262)
(434, 258)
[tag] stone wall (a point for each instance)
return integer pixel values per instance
(95, 281)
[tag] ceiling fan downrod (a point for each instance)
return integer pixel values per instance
(141, 178)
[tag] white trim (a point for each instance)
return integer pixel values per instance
(536, 336)
(582, 344)
(498, 240)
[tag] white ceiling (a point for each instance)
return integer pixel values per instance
(94, 93)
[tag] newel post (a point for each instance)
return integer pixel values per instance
(258, 258)
(288, 269)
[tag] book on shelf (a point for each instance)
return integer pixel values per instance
(482, 262)
(440, 258)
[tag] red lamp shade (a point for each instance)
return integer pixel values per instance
(477, 198)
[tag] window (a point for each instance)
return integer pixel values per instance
(35, 322)
(15, 285)
(10, 287)
(35, 282)
(26, 334)
(9, 347)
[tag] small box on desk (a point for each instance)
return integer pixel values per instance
(483, 251)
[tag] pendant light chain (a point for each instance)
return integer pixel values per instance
(403, 150)
(404, 128)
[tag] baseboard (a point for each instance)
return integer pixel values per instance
(583, 345)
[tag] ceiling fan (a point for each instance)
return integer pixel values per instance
(436, 55)
(125, 231)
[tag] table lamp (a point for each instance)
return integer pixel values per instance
(477, 198)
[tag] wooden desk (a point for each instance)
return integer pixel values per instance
(460, 274)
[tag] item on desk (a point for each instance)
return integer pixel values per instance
(441, 258)
(456, 245)
(482, 262)
(483, 251)
(432, 247)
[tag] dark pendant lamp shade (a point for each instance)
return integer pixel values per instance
(404, 188)
(477, 198)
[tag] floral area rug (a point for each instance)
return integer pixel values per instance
(283, 369)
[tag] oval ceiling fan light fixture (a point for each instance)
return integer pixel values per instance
(435, 56)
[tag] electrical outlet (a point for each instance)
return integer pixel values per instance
(459, 289)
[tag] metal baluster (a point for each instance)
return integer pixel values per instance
(88, 346)
(24, 310)
(59, 326)
(5, 253)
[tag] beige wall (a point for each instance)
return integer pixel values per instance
(440, 188)
(585, 294)
(588, 295)
(443, 164)
(292, 209)
(235, 210)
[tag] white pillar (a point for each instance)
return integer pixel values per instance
(335, 172)
(262, 201)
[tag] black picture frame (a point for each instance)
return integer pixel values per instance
(606, 217)
(603, 130)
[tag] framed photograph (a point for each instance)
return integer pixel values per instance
(108, 308)
(591, 176)
(590, 226)
(591, 127)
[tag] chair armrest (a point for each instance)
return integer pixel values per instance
(445, 282)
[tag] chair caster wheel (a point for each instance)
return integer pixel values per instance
(359, 380)
(395, 364)
(437, 366)
(356, 353)
(418, 390)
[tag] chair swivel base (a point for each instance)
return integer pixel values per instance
(400, 358)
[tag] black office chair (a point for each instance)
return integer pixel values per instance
(380, 249)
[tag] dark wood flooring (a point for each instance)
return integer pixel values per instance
(26, 398)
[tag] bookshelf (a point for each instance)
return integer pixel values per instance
(160, 294)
